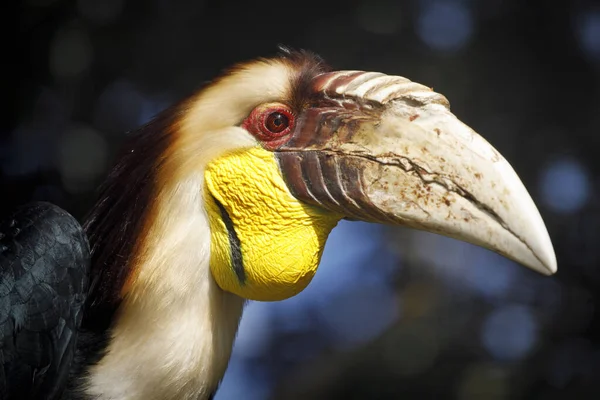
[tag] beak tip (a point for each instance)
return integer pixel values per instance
(549, 265)
(546, 260)
(546, 255)
(545, 269)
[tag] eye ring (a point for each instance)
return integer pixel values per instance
(270, 123)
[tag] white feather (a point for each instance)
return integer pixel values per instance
(176, 327)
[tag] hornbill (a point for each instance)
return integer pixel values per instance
(227, 196)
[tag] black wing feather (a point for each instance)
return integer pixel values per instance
(44, 267)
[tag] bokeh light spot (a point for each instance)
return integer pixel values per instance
(490, 274)
(588, 33)
(70, 53)
(463, 265)
(445, 25)
(565, 186)
(357, 317)
(509, 332)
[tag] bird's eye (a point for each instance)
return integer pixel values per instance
(276, 122)
(270, 123)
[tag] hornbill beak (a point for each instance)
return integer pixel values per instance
(384, 149)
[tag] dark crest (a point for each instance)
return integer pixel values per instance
(308, 65)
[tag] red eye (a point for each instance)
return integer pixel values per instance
(276, 122)
(270, 123)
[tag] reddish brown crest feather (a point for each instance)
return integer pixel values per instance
(307, 66)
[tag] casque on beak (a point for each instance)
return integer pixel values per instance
(384, 149)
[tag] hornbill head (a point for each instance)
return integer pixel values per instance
(268, 158)
(320, 146)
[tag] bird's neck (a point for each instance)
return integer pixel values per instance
(175, 329)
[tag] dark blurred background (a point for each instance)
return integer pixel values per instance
(392, 313)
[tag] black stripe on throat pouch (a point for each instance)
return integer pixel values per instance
(235, 246)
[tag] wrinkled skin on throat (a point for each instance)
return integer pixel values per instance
(265, 244)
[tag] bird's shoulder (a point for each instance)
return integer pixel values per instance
(44, 267)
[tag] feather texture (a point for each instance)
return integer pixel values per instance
(44, 265)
